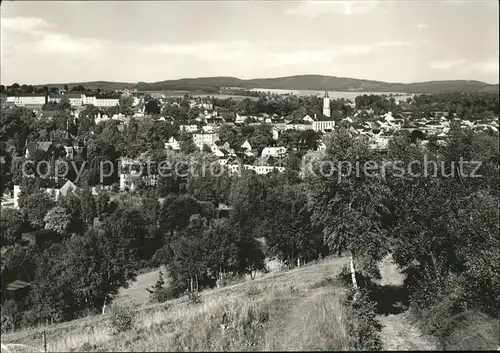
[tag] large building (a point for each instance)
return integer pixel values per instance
(74, 100)
(100, 102)
(208, 139)
(323, 125)
(96, 102)
(27, 100)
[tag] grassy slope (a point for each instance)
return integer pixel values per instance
(296, 309)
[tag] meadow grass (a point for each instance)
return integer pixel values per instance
(283, 310)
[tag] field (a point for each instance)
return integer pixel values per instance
(282, 310)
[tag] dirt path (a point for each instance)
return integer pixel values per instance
(397, 332)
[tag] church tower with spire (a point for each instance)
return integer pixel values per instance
(326, 105)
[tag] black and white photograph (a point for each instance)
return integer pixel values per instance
(249, 175)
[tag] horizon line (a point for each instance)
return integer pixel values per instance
(248, 79)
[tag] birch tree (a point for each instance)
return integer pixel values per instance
(349, 205)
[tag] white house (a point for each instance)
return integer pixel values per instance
(188, 128)
(217, 152)
(27, 100)
(99, 119)
(173, 144)
(234, 167)
(377, 141)
(240, 119)
(263, 169)
(276, 133)
(246, 145)
(299, 125)
(273, 151)
(208, 128)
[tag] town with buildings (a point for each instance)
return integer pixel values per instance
(203, 129)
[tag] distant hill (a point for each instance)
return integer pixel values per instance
(93, 85)
(318, 82)
(300, 82)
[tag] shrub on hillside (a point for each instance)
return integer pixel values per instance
(363, 326)
(11, 316)
(455, 324)
(121, 318)
(159, 293)
(194, 298)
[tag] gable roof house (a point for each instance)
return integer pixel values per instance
(68, 186)
(299, 125)
(246, 145)
(308, 118)
(173, 144)
(240, 119)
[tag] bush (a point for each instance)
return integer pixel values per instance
(252, 291)
(121, 318)
(11, 316)
(456, 328)
(470, 331)
(363, 326)
(159, 293)
(194, 298)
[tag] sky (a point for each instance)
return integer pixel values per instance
(129, 41)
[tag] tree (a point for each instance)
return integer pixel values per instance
(188, 263)
(261, 137)
(247, 195)
(209, 181)
(11, 224)
(88, 207)
(442, 225)
(127, 229)
(350, 209)
(64, 104)
(102, 205)
(86, 121)
(89, 270)
(187, 144)
(126, 105)
(158, 292)
(35, 207)
(16, 125)
(152, 107)
(176, 212)
(58, 220)
(73, 204)
(290, 234)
